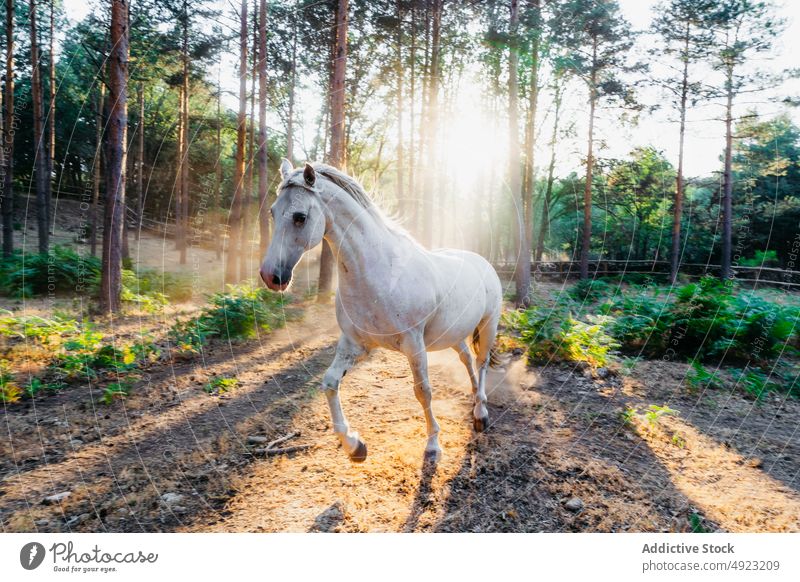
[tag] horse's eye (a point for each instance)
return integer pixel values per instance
(299, 218)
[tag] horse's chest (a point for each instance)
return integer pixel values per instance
(384, 320)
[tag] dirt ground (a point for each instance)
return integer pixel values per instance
(557, 456)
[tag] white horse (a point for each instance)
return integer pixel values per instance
(392, 292)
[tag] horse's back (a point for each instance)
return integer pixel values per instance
(469, 292)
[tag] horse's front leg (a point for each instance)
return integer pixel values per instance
(347, 353)
(418, 359)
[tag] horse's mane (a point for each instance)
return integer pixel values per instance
(346, 183)
(356, 191)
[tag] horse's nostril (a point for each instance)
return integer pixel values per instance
(276, 280)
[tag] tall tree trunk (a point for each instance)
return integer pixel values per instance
(98, 160)
(292, 87)
(247, 254)
(677, 209)
(42, 165)
(433, 121)
(529, 171)
(235, 234)
(337, 148)
(140, 164)
(217, 227)
(111, 278)
(52, 115)
(8, 137)
(587, 192)
(522, 272)
(544, 223)
(180, 235)
(184, 196)
(412, 219)
(727, 195)
(401, 197)
(263, 202)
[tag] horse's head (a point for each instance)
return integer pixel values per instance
(298, 225)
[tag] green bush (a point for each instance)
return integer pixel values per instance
(9, 389)
(591, 290)
(761, 259)
(174, 286)
(553, 335)
(241, 313)
(60, 270)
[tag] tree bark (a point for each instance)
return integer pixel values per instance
(247, 240)
(8, 137)
(98, 160)
(587, 192)
(401, 198)
(529, 171)
(412, 219)
(727, 195)
(235, 234)
(544, 223)
(292, 87)
(111, 278)
(42, 165)
(217, 228)
(180, 235)
(184, 165)
(140, 165)
(432, 125)
(52, 115)
(337, 147)
(263, 202)
(677, 209)
(522, 272)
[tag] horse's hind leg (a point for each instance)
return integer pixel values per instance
(484, 336)
(347, 353)
(418, 359)
(466, 358)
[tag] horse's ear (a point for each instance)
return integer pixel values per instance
(286, 168)
(309, 175)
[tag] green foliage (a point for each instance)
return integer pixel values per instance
(36, 386)
(755, 383)
(115, 391)
(134, 292)
(554, 335)
(590, 290)
(696, 523)
(244, 310)
(10, 391)
(654, 413)
(707, 320)
(628, 415)
(161, 285)
(699, 378)
(761, 259)
(241, 313)
(42, 330)
(221, 384)
(60, 270)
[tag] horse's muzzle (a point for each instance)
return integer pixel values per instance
(278, 280)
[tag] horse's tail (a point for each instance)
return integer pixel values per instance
(494, 357)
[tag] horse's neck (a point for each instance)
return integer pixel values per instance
(362, 243)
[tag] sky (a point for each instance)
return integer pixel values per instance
(705, 133)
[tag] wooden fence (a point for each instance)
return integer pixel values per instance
(560, 270)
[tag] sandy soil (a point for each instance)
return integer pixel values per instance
(557, 456)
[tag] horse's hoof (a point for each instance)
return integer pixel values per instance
(432, 457)
(480, 424)
(360, 454)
